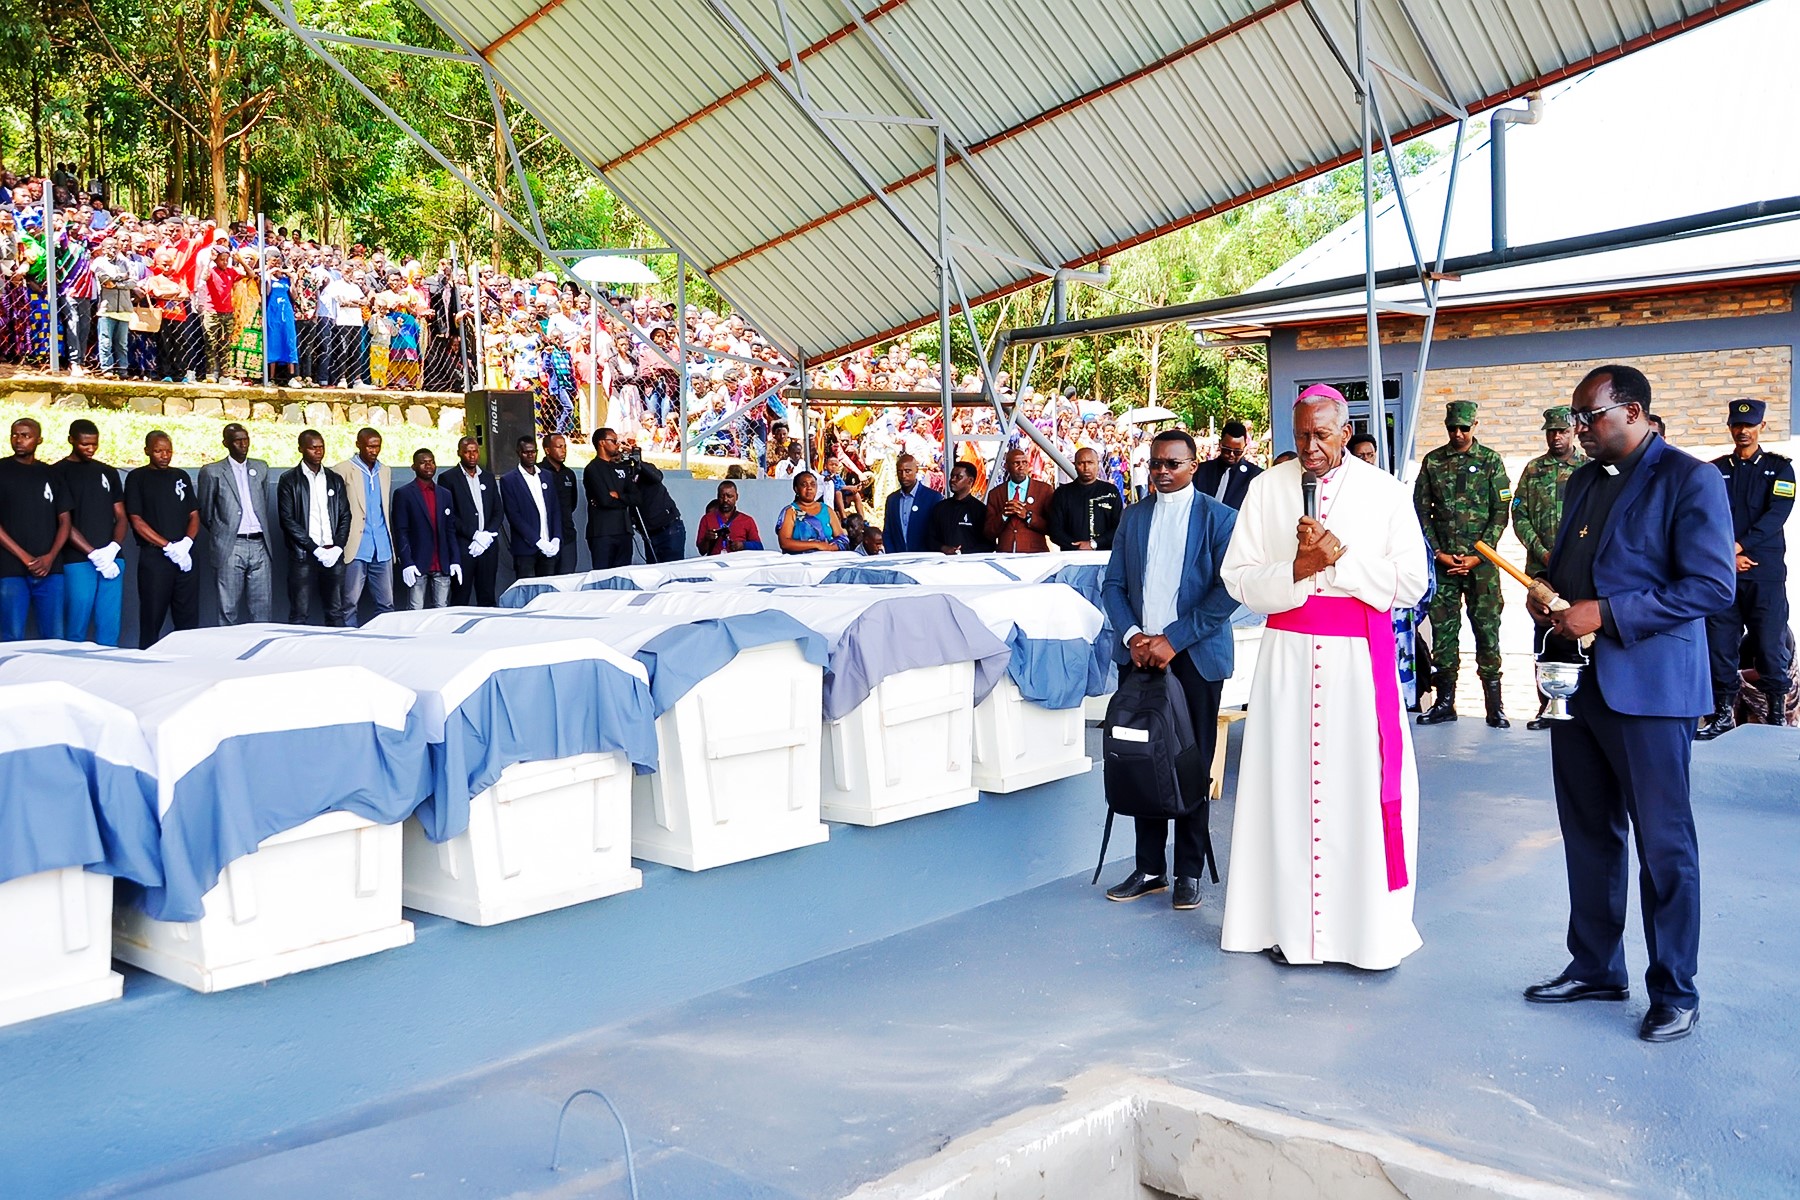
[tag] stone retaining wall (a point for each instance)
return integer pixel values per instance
(294, 406)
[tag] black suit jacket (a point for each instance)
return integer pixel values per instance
(462, 501)
(1208, 474)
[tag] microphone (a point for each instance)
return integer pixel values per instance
(1309, 494)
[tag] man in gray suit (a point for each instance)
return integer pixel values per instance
(234, 511)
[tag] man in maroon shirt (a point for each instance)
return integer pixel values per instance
(723, 528)
(426, 550)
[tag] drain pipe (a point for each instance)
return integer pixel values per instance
(1498, 120)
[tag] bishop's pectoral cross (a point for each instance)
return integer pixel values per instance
(1582, 532)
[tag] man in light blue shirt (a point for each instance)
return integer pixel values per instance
(369, 486)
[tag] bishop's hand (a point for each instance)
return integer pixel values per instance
(1318, 549)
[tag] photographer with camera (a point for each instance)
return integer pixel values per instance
(658, 514)
(611, 483)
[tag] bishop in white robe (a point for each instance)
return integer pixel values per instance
(1326, 822)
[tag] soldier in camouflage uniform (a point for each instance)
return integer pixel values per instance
(1462, 497)
(1538, 505)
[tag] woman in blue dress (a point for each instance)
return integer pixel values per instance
(281, 343)
(807, 526)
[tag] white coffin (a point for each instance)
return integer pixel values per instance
(55, 943)
(320, 893)
(906, 750)
(1246, 649)
(546, 835)
(739, 774)
(1019, 744)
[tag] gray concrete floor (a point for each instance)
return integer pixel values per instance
(814, 1080)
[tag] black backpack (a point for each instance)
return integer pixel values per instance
(1153, 766)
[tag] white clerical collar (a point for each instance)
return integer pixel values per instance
(1179, 496)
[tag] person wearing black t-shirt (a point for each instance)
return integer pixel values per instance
(958, 523)
(1085, 512)
(164, 510)
(34, 524)
(93, 575)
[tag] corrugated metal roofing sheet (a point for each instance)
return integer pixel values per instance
(1096, 123)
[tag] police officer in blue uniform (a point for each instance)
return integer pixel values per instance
(1761, 485)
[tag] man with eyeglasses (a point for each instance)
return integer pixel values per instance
(1018, 511)
(1643, 557)
(1463, 496)
(1227, 475)
(1164, 593)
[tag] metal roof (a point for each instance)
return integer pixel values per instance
(1080, 128)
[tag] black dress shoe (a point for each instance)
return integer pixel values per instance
(1666, 1023)
(1276, 956)
(1566, 990)
(1137, 884)
(1187, 892)
(1537, 723)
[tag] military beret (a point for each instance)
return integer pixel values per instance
(1557, 417)
(1746, 412)
(1459, 412)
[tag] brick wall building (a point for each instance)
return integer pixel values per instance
(1701, 346)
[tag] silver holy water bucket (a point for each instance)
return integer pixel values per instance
(1558, 681)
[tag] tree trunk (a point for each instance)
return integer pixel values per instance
(215, 113)
(243, 189)
(177, 161)
(1156, 336)
(495, 224)
(37, 121)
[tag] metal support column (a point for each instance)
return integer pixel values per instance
(946, 361)
(1371, 321)
(48, 207)
(800, 421)
(681, 357)
(262, 272)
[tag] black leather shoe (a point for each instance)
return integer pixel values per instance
(1187, 892)
(1565, 990)
(1666, 1023)
(1537, 723)
(1137, 884)
(1276, 956)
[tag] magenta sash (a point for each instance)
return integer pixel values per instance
(1346, 616)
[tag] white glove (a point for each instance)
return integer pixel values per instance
(179, 553)
(477, 547)
(549, 546)
(104, 556)
(485, 537)
(108, 569)
(409, 576)
(328, 555)
(456, 572)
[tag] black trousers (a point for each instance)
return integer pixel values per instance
(610, 550)
(1616, 774)
(1760, 612)
(479, 584)
(670, 543)
(532, 566)
(164, 591)
(567, 556)
(1190, 832)
(307, 578)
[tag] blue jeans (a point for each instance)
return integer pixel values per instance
(89, 598)
(115, 343)
(378, 576)
(20, 595)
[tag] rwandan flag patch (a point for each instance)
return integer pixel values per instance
(1784, 489)
(1506, 495)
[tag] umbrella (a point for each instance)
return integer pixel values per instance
(1148, 416)
(613, 268)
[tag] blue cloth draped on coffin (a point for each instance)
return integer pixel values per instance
(524, 592)
(64, 806)
(257, 785)
(534, 714)
(683, 656)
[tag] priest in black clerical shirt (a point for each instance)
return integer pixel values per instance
(958, 522)
(1085, 512)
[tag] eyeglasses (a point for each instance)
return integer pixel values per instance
(1585, 416)
(1459, 429)
(1169, 464)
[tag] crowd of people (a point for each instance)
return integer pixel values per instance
(169, 296)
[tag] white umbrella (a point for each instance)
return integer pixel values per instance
(1148, 416)
(614, 268)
